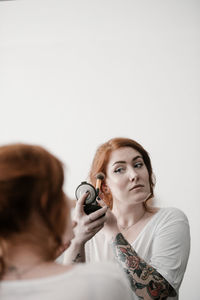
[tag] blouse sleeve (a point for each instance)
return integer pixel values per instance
(171, 246)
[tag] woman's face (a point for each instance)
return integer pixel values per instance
(127, 176)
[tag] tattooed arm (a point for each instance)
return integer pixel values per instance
(145, 281)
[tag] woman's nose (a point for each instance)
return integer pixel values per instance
(133, 175)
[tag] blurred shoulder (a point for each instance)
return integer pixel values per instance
(107, 276)
(102, 270)
(107, 269)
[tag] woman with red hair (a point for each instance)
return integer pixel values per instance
(34, 225)
(151, 244)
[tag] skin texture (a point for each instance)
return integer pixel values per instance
(126, 170)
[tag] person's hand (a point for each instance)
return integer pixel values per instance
(87, 225)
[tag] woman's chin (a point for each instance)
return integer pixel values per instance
(140, 198)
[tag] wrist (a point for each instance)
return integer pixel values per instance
(77, 243)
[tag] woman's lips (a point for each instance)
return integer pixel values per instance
(137, 186)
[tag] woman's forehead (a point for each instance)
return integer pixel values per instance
(123, 154)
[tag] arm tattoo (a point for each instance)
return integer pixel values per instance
(145, 281)
(77, 258)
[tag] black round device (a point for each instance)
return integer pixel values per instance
(91, 204)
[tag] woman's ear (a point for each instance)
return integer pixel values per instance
(106, 195)
(105, 188)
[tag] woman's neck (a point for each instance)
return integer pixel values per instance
(23, 262)
(22, 255)
(128, 215)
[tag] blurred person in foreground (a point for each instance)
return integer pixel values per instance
(35, 227)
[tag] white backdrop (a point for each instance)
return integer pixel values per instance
(74, 73)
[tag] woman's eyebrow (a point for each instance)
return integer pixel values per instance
(119, 162)
(138, 156)
(124, 162)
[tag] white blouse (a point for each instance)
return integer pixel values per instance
(164, 243)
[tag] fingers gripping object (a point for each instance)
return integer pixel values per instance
(91, 204)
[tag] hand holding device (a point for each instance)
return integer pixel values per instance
(91, 203)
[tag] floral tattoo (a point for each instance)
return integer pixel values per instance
(145, 281)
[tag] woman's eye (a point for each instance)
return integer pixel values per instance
(119, 170)
(138, 165)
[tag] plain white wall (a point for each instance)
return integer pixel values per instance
(76, 73)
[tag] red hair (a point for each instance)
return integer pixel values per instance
(31, 182)
(101, 159)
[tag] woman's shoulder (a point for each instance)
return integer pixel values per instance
(172, 212)
(107, 275)
(94, 280)
(171, 217)
(107, 269)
